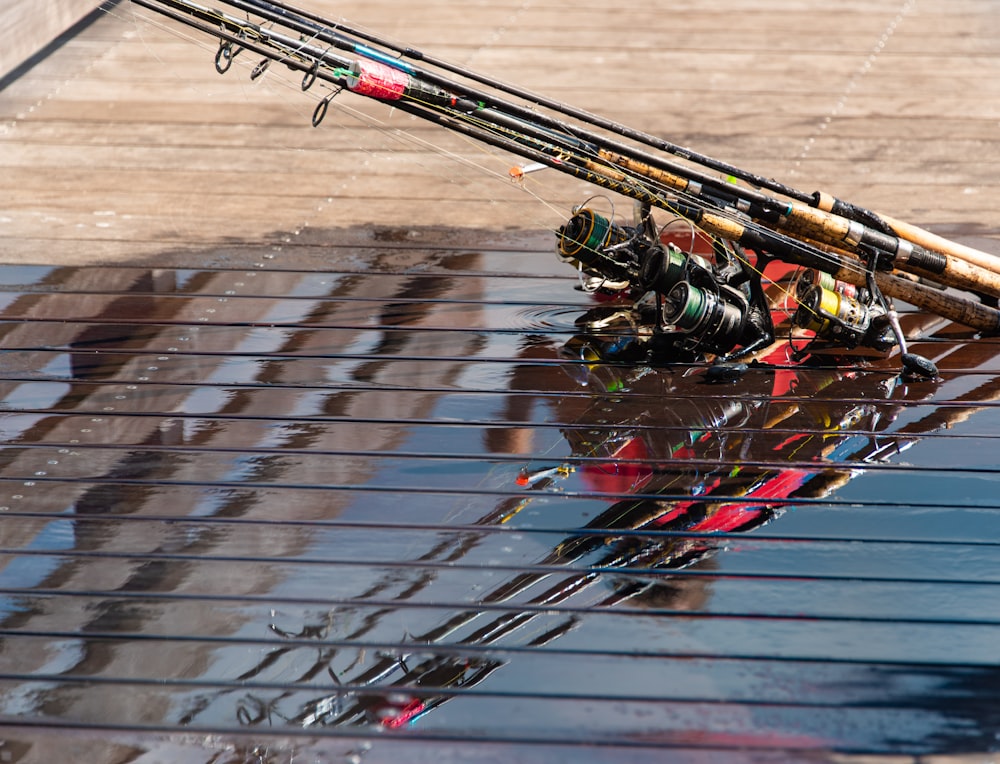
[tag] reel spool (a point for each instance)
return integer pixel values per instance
(600, 246)
(664, 267)
(812, 276)
(833, 315)
(715, 320)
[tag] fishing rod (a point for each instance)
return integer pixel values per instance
(820, 223)
(306, 21)
(375, 77)
(788, 230)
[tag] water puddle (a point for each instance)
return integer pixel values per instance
(415, 502)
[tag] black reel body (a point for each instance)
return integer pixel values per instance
(717, 307)
(704, 306)
(714, 320)
(610, 254)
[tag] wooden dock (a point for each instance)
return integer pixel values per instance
(125, 143)
(31, 33)
(294, 451)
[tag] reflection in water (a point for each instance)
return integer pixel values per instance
(321, 514)
(685, 473)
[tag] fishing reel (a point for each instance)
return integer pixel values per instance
(714, 319)
(713, 307)
(842, 313)
(703, 306)
(609, 254)
(852, 317)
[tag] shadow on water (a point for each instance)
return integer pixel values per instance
(400, 498)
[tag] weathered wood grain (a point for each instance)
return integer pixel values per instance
(126, 140)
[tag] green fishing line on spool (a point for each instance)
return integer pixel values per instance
(587, 234)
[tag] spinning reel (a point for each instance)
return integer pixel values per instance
(842, 313)
(717, 306)
(609, 255)
(704, 306)
(853, 317)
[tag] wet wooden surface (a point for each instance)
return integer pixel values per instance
(303, 333)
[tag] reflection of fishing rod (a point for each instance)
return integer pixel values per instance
(400, 686)
(422, 685)
(643, 538)
(636, 545)
(810, 233)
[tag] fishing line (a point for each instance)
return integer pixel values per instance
(439, 692)
(905, 436)
(676, 573)
(478, 147)
(334, 388)
(403, 136)
(559, 107)
(400, 136)
(485, 607)
(275, 486)
(449, 648)
(526, 132)
(491, 529)
(506, 134)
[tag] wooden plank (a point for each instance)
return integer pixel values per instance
(28, 27)
(131, 117)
